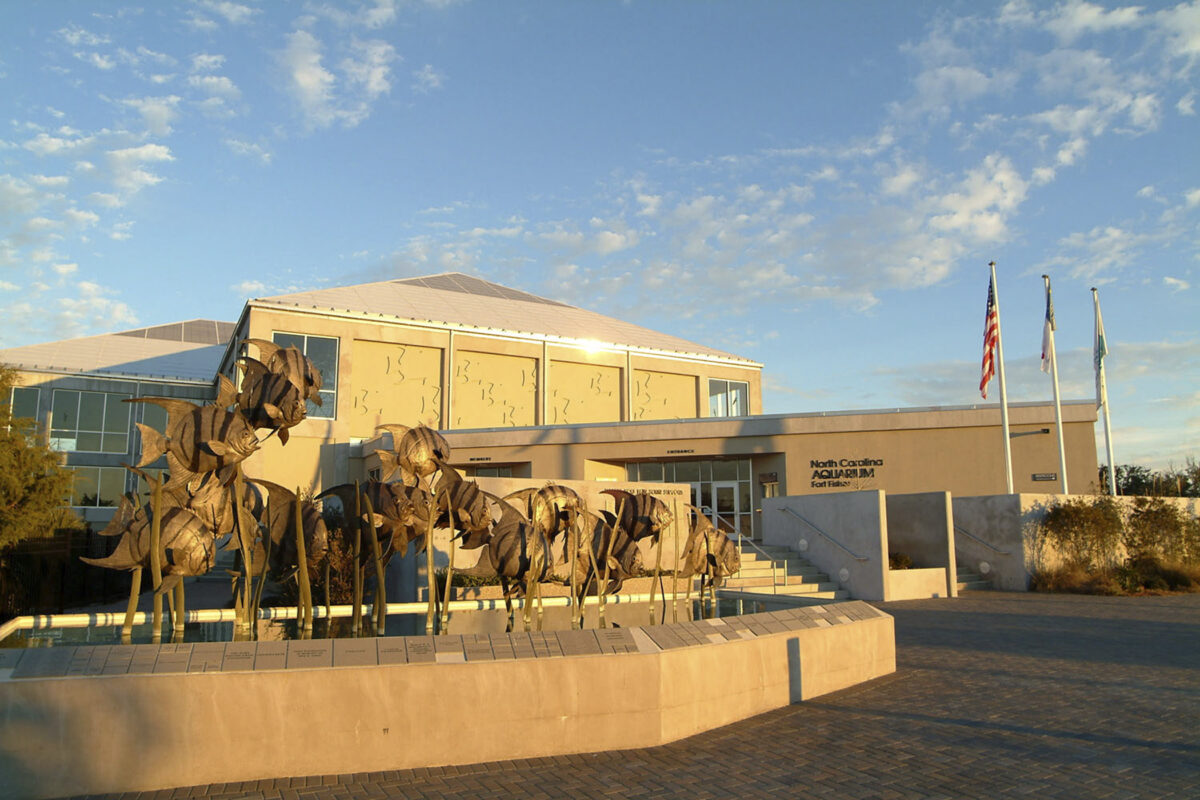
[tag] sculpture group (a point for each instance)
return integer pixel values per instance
(527, 538)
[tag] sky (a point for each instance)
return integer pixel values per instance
(818, 186)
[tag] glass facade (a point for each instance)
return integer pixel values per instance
(721, 488)
(322, 351)
(728, 398)
(89, 422)
(97, 487)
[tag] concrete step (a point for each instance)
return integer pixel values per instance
(777, 568)
(811, 597)
(974, 586)
(968, 580)
(755, 580)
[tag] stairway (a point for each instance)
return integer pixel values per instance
(969, 580)
(781, 573)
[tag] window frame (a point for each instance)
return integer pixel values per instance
(57, 442)
(100, 472)
(726, 396)
(329, 396)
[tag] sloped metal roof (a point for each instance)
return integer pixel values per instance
(465, 301)
(187, 351)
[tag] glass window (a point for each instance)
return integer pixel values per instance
(651, 471)
(23, 402)
(724, 471)
(744, 469)
(728, 398)
(90, 422)
(322, 351)
(687, 472)
(493, 472)
(98, 487)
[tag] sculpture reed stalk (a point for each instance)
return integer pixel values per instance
(657, 576)
(379, 608)
(327, 603)
(444, 620)
(431, 614)
(356, 614)
(180, 613)
(247, 599)
(305, 611)
(156, 555)
(256, 604)
(602, 602)
(131, 609)
(675, 562)
(575, 607)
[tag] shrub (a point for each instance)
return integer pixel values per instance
(899, 561)
(1085, 531)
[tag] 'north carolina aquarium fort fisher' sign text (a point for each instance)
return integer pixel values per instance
(842, 472)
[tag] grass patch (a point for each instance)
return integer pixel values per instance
(1145, 575)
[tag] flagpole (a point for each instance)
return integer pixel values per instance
(1049, 357)
(1008, 473)
(1100, 350)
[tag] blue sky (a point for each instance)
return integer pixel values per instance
(818, 186)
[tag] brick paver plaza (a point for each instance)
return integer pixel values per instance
(995, 694)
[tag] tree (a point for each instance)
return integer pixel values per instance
(33, 481)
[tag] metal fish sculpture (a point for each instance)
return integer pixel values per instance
(199, 439)
(709, 552)
(292, 364)
(269, 399)
(398, 514)
(461, 504)
(642, 515)
(553, 508)
(516, 547)
(416, 452)
(277, 517)
(189, 547)
(623, 556)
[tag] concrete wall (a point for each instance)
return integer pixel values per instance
(853, 550)
(995, 536)
(127, 733)
(922, 526)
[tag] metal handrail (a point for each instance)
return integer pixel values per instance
(988, 545)
(733, 529)
(832, 540)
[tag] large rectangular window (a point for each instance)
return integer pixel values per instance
(322, 351)
(728, 398)
(97, 487)
(89, 422)
(23, 405)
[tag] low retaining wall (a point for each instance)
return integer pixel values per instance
(86, 720)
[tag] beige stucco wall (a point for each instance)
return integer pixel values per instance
(664, 395)
(394, 382)
(582, 393)
(493, 390)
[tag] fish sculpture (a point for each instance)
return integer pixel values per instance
(416, 452)
(552, 508)
(709, 552)
(608, 541)
(641, 515)
(270, 399)
(189, 546)
(517, 549)
(292, 364)
(278, 516)
(461, 504)
(198, 439)
(398, 513)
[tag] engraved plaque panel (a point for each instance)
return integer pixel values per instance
(207, 657)
(420, 649)
(239, 656)
(268, 655)
(313, 653)
(355, 653)
(391, 650)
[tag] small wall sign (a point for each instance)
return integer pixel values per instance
(1045, 476)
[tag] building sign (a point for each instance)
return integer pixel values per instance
(1045, 476)
(480, 458)
(768, 477)
(673, 452)
(832, 473)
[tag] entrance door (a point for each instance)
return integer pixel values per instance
(725, 508)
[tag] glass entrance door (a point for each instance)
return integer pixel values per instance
(725, 507)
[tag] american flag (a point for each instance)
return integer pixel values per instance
(991, 337)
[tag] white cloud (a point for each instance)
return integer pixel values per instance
(1176, 284)
(366, 71)
(76, 36)
(369, 67)
(234, 13)
(1181, 25)
(128, 165)
(1073, 19)
(207, 62)
(987, 196)
(82, 219)
(65, 269)
(901, 180)
(104, 200)
(249, 288)
(1192, 197)
(46, 145)
(200, 23)
(97, 60)
(427, 79)
(311, 84)
(50, 181)
(249, 149)
(1187, 105)
(157, 112)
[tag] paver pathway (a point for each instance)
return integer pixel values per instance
(996, 694)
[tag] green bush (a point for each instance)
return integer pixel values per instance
(1085, 531)
(899, 561)
(1156, 529)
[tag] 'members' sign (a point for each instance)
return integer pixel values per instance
(842, 472)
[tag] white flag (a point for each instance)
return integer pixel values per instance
(1048, 332)
(1099, 351)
